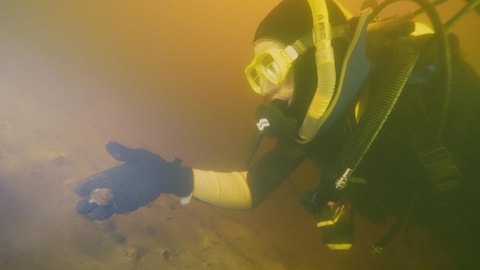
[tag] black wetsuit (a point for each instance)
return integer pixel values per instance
(397, 183)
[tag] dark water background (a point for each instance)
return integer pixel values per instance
(168, 76)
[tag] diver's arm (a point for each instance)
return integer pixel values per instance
(143, 176)
(274, 167)
(244, 190)
(225, 189)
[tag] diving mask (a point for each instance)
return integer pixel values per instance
(270, 66)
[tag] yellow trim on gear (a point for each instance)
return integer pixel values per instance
(343, 246)
(421, 29)
(224, 189)
(344, 10)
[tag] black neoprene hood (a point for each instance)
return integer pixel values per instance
(291, 19)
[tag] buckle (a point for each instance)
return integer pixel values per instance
(333, 212)
(335, 219)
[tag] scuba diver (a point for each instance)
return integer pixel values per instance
(386, 108)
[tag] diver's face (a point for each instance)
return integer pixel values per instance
(283, 91)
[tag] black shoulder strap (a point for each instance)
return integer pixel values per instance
(383, 100)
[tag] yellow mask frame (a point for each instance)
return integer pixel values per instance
(273, 64)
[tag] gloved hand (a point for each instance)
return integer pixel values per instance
(137, 182)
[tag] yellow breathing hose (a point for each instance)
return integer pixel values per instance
(325, 63)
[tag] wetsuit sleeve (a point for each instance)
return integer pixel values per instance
(274, 167)
(247, 189)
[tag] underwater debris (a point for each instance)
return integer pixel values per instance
(134, 252)
(118, 238)
(167, 254)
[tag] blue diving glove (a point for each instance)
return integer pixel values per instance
(137, 182)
